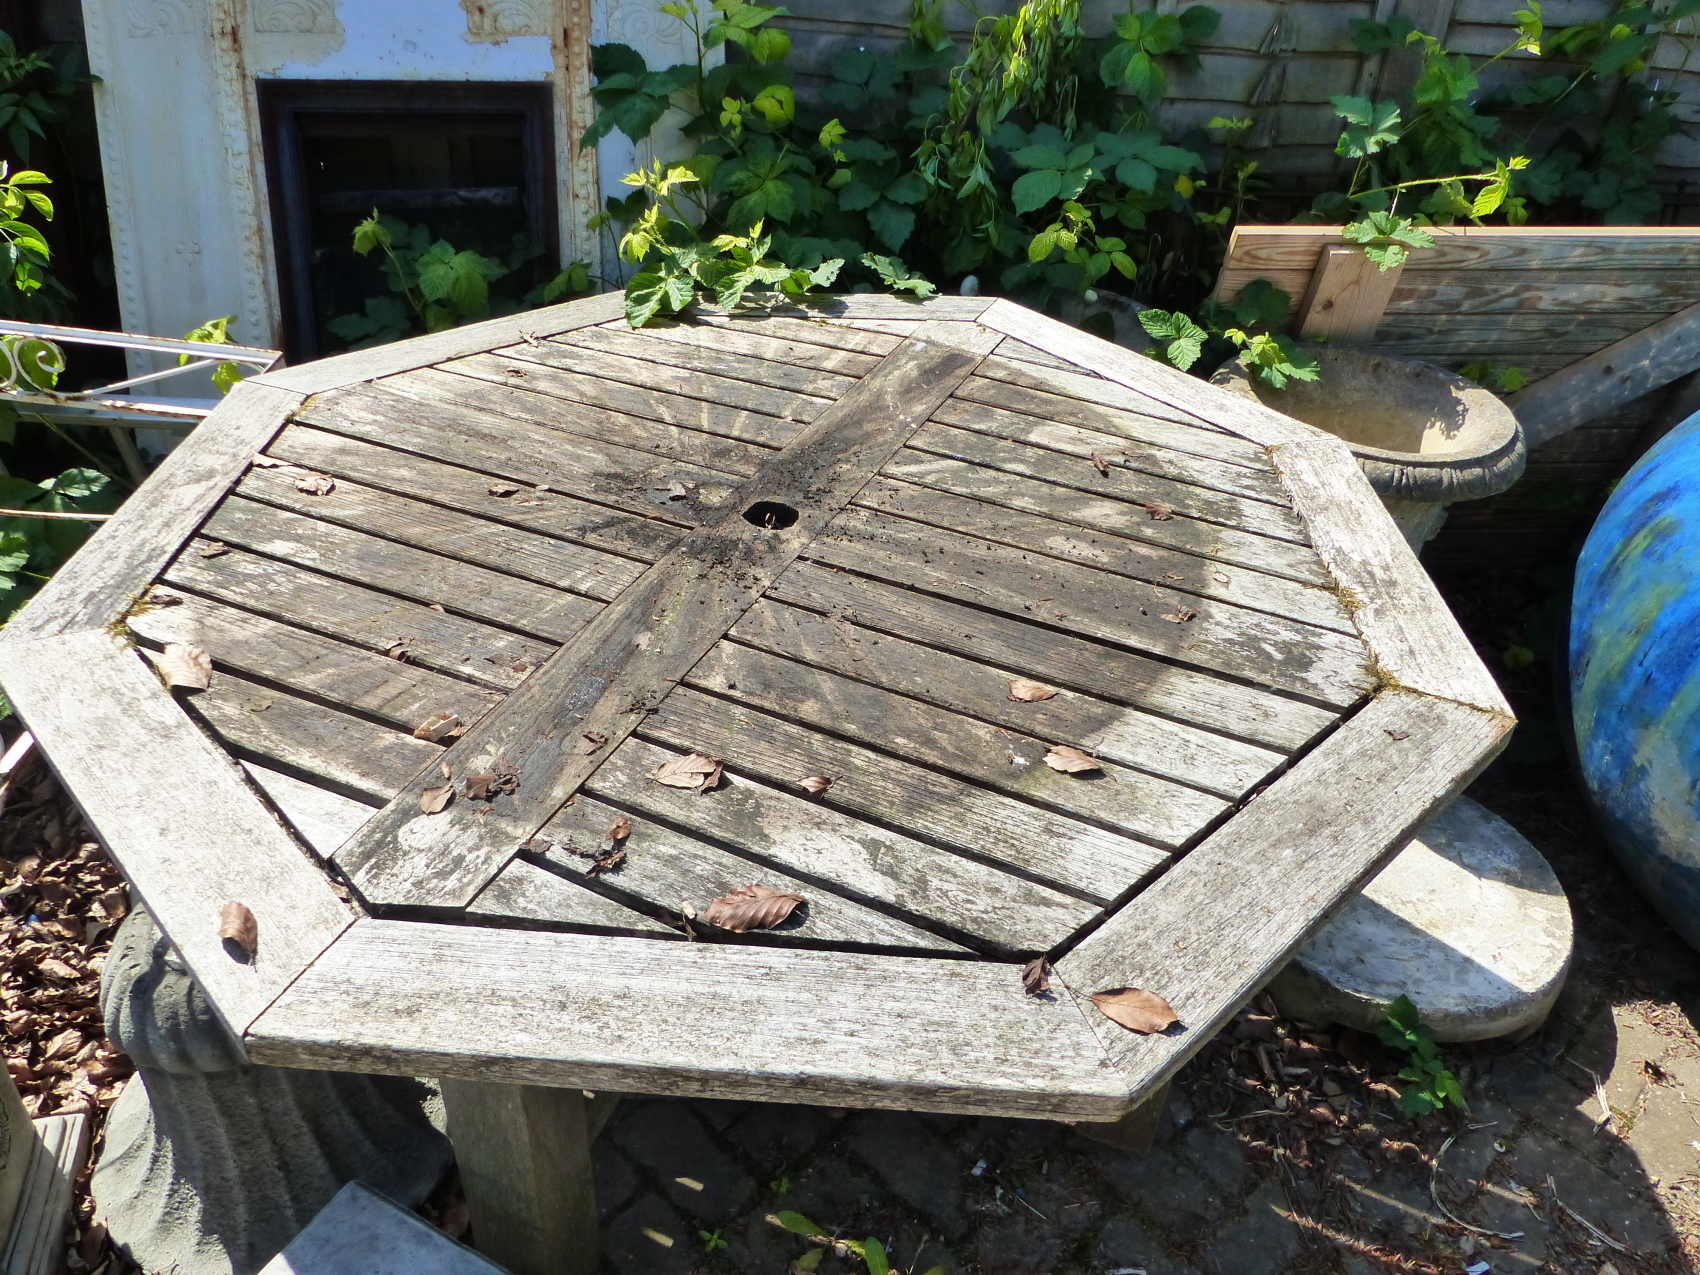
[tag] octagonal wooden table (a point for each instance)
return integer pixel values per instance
(803, 542)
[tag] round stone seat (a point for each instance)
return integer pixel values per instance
(1468, 921)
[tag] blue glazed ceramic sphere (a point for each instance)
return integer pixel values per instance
(1635, 674)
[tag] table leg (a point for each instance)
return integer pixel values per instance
(524, 1162)
(1136, 1130)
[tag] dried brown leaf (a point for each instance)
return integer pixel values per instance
(1397, 734)
(160, 596)
(236, 925)
(589, 742)
(693, 770)
(502, 489)
(641, 641)
(607, 859)
(436, 726)
(1219, 577)
(1036, 977)
(256, 703)
(185, 664)
(619, 830)
(816, 784)
(1159, 512)
(1100, 464)
(1070, 760)
(211, 548)
(480, 787)
(1024, 690)
(750, 907)
(1138, 1011)
(397, 650)
(443, 765)
(1180, 615)
(55, 968)
(432, 800)
(261, 461)
(315, 484)
(434, 606)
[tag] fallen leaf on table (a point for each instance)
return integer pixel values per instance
(693, 770)
(619, 830)
(589, 742)
(261, 461)
(1138, 1011)
(256, 703)
(1100, 464)
(161, 596)
(443, 765)
(480, 787)
(1180, 615)
(1071, 761)
(1398, 734)
(1024, 690)
(750, 907)
(434, 606)
(1036, 977)
(185, 664)
(1218, 577)
(212, 548)
(607, 859)
(816, 784)
(436, 726)
(1159, 513)
(315, 484)
(397, 651)
(502, 489)
(432, 800)
(641, 641)
(236, 924)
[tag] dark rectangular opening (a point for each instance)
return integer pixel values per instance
(471, 163)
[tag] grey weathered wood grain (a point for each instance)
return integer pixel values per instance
(768, 340)
(1230, 914)
(1318, 663)
(1210, 561)
(666, 870)
(1021, 352)
(176, 814)
(320, 817)
(714, 360)
(293, 734)
(998, 758)
(885, 305)
(807, 331)
(1090, 861)
(403, 356)
(913, 1033)
(1075, 398)
(1061, 659)
(524, 892)
(1227, 767)
(598, 686)
(127, 551)
(553, 615)
(464, 537)
(311, 663)
(365, 617)
(1413, 637)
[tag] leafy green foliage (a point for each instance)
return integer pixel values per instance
(33, 91)
(1431, 1086)
(712, 1241)
(1141, 40)
(1503, 380)
(1273, 358)
(870, 1250)
(1179, 340)
(1387, 238)
(24, 253)
(898, 277)
(31, 549)
(215, 332)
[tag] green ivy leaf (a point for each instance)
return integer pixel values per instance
(1036, 189)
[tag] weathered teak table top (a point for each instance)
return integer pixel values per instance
(538, 525)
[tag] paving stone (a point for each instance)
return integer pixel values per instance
(914, 1164)
(649, 1238)
(754, 1244)
(1217, 1157)
(665, 1137)
(778, 1135)
(614, 1177)
(836, 1192)
(1017, 1246)
(1262, 1240)
(1125, 1242)
(716, 1113)
(1614, 1205)
(1664, 1134)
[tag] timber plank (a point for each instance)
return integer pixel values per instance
(1040, 844)
(312, 664)
(1513, 291)
(818, 842)
(1214, 929)
(177, 814)
(464, 537)
(1062, 659)
(1021, 352)
(558, 728)
(913, 1033)
(303, 738)
(377, 621)
(766, 340)
(996, 758)
(1615, 248)
(665, 869)
(1320, 664)
(474, 591)
(320, 817)
(525, 892)
(718, 359)
(1027, 516)
(1146, 742)
(830, 333)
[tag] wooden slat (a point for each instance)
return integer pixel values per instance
(665, 869)
(435, 639)
(1087, 860)
(176, 813)
(1061, 659)
(684, 603)
(1230, 914)
(1346, 297)
(320, 817)
(1317, 663)
(1021, 352)
(526, 893)
(1617, 248)
(1414, 640)
(477, 592)
(717, 359)
(1141, 740)
(1027, 515)
(912, 1033)
(764, 340)
(993, 757)
(1483, 290)
(1506, 334)
(464, 537)
(806, 330)
(336, 749)
(102, 579)
(1075, 398)
(317, 666)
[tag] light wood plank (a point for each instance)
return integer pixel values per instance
(1346, 298)
(910, 1033)
(1061, 659)
(320, 817)
(717, 359)
(376, 621)
(526, 893)
(665, 869)
(768, 340)
(598, 686)
(806, 330)
(128, 550)
(1021, 352)
(1211, 762)
(176, 814)
(1075, 856)
(1216, 927)
(1412, 636)
(1484, 290)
